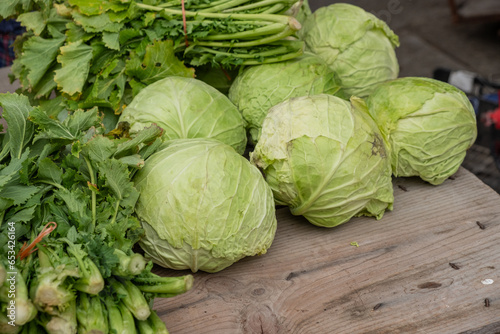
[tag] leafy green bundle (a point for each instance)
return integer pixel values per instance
(65, 188)
(103, 52)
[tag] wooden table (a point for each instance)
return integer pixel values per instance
(429, 266)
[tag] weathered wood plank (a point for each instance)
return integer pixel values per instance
(417, 270)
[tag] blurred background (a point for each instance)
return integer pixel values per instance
(452, 40)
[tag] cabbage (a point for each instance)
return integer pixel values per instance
(428, 126)
(203, 206)
(258, 88)
(325, 159)
(358, 46)
(187, 108)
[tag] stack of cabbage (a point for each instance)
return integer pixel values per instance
(327, 130)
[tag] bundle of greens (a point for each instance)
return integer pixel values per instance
(67, 226)
(103, 52)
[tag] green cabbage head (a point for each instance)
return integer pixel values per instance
(258, 88)
(357, 45)
(187, 108)
(428, 126)
(325, 159)
(203, 206)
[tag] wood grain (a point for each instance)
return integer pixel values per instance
(417, 270)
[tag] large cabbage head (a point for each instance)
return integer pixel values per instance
(260, 87)
(203, 206)
(428, 126)
(357, 45)
(187, 108)
(325, 159)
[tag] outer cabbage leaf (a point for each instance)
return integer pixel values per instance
(427, 124)
(358, 46)
(187, 108)
(258, 88)
(203, 206)
(325, 159)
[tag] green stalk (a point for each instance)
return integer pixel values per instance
(171, 286)
(266, 40)
(115, 318)
(222, 7)
(283, 19)
(5, 327)
(128, 319)
(91, 315)
(3, 274)
(63, 322)
(132, 298)
(277, 8)
(259, 4)
(25, 309)
(50, 290)
(51, 183)
(94, 196)
(90, 278)
(129, 265)
(268, 53)
(275, 59)
(157, 324)
(144, 327)
(273, 28)
(115, 213)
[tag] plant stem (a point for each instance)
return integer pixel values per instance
(94, 196)
(268, 39)
(258, 17)
(259, 4)
(273, 28)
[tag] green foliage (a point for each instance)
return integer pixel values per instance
(102, 53)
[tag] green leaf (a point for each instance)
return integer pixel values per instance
(8, 7)
(88, 7)
(82, 120)
(97, 23)
(16, 109)
(111, 40)
(33, 21)
(100, 148)
(159, 62)
(147, 150)
(102, 255)
(107, 91)
(72, 234)
(145, 136)
(23, 215)
(18, 193)
(134, 161)
(77, 203)
(12, 169)
(38, 55)
(116, 175)
(75, 60)
(48, 170)
(69, 129)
